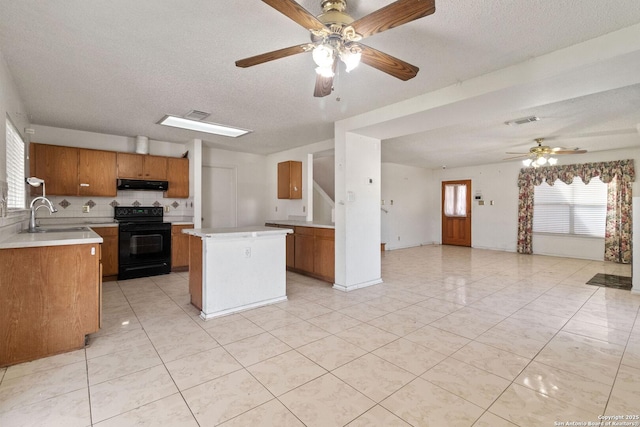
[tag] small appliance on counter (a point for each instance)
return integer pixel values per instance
(144, 247)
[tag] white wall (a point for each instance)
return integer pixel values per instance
(10, 106)
(251, 184)
(324, 174)
(281, 209)
(495, 227)
(323, 206)
(101, 141)
(407, 221)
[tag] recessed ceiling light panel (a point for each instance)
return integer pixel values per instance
(200, 126)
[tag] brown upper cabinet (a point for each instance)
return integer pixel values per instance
(178, 177)
(290, 180)
(71, 171)
(96, 172)
(142, 166)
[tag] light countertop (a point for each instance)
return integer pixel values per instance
(294, 223)
(236, 232)
(32, 240)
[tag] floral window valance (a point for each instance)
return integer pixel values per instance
(623, 170)
(618, 175)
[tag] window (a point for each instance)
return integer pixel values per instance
(455, 200)
(15, 168)
(575, 209)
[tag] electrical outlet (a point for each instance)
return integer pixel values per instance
(86, 209)
(247, 252)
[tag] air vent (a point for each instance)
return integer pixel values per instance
(197, 115)
(518, 122)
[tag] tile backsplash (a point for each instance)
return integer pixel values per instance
(70, 206)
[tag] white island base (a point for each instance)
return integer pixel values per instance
(235, 269)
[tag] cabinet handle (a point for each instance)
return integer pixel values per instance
(82, 184)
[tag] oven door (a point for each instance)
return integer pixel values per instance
(144, 250)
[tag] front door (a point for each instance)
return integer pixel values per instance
(456, 213)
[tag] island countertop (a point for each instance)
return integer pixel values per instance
(297, 223)
(236, 232)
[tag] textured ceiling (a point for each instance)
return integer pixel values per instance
(119, 66)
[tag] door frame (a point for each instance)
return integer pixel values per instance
(468, 222)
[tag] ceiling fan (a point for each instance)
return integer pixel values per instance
(336, 35)
(542, 154)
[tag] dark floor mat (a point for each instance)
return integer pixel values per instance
(611, 281)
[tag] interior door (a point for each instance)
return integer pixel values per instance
(219, 197)
(456, 213)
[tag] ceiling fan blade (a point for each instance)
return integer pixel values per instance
(297, 13)
(393, 15)
(567, 151)
(387, 63)
(270, 56)
(324, 85)
(513, 152)
(522, 156)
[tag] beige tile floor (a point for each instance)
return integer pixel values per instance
(454, 337)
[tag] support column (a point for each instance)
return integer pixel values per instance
(357, 193)
(195, 179)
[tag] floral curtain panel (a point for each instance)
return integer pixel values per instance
(618, 175)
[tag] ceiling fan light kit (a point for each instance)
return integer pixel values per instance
(541, 155)
(335, 35)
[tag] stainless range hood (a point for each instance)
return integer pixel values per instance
(142, 184)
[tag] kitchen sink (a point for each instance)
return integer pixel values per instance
(58, 229)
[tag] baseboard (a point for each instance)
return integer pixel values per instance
(357, 286)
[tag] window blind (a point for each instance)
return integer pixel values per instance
(15, 168)
(575, 209)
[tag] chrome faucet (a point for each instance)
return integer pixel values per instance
(33, 208)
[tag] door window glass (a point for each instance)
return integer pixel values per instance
(455, 200)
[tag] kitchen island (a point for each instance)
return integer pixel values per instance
(235, 269)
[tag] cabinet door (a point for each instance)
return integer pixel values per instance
(109, 250)
(304, 249)
(58, 166)
(195, 271)
(155, 167)
(291, 254)
(50, 302)
(324, 263)
(130, 165)
(178, 177)
(290, 180)
(179, 247)
(97, 173)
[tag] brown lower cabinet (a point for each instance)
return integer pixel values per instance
(311, 251)
(50, 299)
(195, 270)
(180, 248)
(109, 252)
